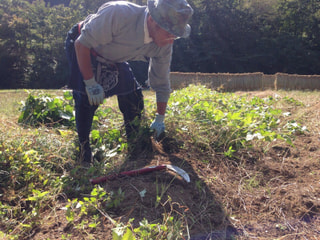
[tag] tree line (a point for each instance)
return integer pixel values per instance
(232, 36)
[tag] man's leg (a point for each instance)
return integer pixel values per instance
(131, 105)
(84, 117)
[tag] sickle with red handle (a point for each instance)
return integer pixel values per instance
(136, 172)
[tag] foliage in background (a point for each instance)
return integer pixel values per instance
(227, 36)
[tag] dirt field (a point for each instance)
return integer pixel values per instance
(272, 195)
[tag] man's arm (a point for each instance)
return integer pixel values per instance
(161, 108)
(84, 60)
(94, 90)
(159, 75)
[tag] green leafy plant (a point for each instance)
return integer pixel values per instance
(92, 205)
(115, 198)
(170, 228)
(228, 122)
(47, 109)
(38, 197)
(87, 205)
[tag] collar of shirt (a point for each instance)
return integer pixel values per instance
(147, 38)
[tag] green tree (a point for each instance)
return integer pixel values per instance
(13, 44)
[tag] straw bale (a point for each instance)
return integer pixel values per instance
(268, 82)
(211, 80)
(246, 81)
(297, 82)
(241, 81)
(181, 80)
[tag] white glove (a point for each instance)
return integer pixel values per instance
(158, 125)
(94, 91)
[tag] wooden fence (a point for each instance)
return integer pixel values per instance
(246, 81)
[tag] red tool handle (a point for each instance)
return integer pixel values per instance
(127, 173)
(103, 179)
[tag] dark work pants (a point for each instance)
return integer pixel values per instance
(84, 116)
(131, 106)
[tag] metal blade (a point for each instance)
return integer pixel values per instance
(179, 171)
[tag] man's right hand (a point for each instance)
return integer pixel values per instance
(94, 91)
(158, 125)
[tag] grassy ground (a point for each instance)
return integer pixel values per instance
(239, 189)
(9, 102)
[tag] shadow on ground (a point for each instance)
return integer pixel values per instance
(165, 193)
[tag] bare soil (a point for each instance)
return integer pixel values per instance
(263, 195)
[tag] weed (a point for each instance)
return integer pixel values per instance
(38, 198)
(171, 227)
(161, 190)
(46, 109)
(252, 182)
(115, 198)
(91, 206)
(293, 101)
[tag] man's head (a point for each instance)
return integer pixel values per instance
(172, 16)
